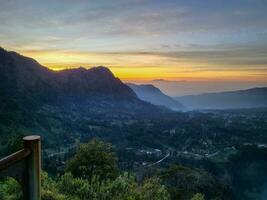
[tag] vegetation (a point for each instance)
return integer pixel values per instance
(10, 189)
(89, 183)
(212, 156)
(198, 196)
(95, 158)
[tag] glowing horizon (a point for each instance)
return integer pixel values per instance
(142, 40)
(156, 66)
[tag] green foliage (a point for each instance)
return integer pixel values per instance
(183, 182)
(10, 189)
(14, 143)
(50, 189)
(248, 170)
(95, 167)
(95, 158)
(92, 185)
(198, 196)
(124, 187)
(75, 187)
(153, 189)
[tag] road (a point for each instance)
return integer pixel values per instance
(159, 161)
(55, 154)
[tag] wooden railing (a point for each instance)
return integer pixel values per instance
(25, 167)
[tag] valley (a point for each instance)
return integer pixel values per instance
(208, 149)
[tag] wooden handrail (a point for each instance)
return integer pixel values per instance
(25, 166)
(13, 158)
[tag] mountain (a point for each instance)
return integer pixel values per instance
(32, 86)
(64, 105)
(250, 98)
(20, 74)
(153, 95)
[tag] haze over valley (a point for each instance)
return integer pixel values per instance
(133, 100)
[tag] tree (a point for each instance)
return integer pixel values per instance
(95, 158)
(183, 182)
(50, 189)
(124, 187)
(77, 188)
(153, 189)
(198, 196)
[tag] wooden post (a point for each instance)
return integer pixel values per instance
(33, 143)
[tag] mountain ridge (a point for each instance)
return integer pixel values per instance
(32, 85)
(26, 71)
(246, 98)
(152, 94)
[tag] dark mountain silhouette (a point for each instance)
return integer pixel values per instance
(152, 94)
(32, 86)
(250, 98)
(20, 74)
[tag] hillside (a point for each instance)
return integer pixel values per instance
(32, 85)
(60, 104)
(250, 98)
(153, 95)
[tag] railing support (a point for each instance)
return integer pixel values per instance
(33, 143)
(25, 166)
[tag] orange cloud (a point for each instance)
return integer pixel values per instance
(146, 66)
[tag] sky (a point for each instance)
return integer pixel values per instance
(192, 46)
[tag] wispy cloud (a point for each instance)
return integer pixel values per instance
(147, 38)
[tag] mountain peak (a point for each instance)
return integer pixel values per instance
(2, 49)
(25, 75)
(97, 71)
(101, 70)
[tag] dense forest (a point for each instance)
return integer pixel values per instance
(208, 155)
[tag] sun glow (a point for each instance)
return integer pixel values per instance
(146, 66)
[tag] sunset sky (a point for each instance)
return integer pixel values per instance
(211, 41)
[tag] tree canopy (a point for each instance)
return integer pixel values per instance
(94, 158)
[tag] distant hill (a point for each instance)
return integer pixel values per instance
(250, 98)
(153, 95)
